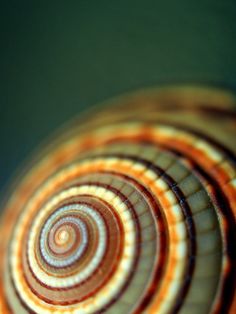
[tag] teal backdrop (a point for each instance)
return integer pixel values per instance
(59, 58)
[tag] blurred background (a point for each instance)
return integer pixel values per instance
(59, 58)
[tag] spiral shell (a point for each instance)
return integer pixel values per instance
(130, 211)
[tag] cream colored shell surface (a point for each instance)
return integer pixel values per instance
(129, 209)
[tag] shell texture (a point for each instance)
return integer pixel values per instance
(129, 210)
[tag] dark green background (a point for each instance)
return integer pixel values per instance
(58, 58)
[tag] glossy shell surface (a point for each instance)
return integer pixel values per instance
(131, 209)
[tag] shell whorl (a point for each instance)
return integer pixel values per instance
(130, 211)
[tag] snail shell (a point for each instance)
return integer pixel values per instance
(130, 211)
